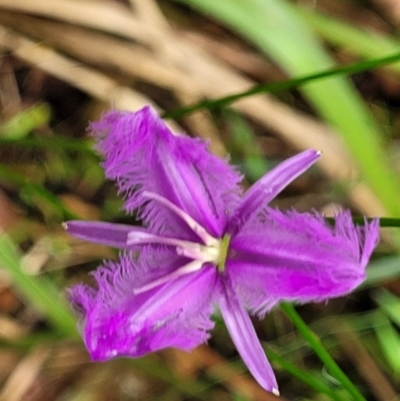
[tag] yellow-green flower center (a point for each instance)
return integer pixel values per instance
(223, 252)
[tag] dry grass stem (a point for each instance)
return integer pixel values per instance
(108, 17)
(148, 11)
(391, 8)
(24, 375)
(10, 99)
(79, 76)
(11, 329)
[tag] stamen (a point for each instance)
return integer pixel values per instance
(204, 253)
(191, 267)
(138, 238)
(189, 249)
(193, 224)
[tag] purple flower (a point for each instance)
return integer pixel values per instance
(205, 245)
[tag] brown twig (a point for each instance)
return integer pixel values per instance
(24, 375)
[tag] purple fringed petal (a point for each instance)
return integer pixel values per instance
(245, 339)
(118, 323)
(271, 184)
(141, 154)
(298, 257)
(115, 235)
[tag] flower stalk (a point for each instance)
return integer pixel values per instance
(320, 350)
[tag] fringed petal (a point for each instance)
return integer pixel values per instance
(119, 323)
(298, 257)
(142, 154)
(245, 339)
(271, 184)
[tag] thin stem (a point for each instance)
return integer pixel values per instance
(322, 353)
(277, 87)
(300, 374)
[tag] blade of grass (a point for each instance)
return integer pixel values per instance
(383, 221)
(38, 291)
(303, 375)
(320, 350)
(35, 192)
(276, 87)
(381, 270)
(53, 143)
(389, 340)
(359, 41)
(389, 303)
(24, 122)
(243, 142)
(276, 28)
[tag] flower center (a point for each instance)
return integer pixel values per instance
(212, 250)
(223, 252)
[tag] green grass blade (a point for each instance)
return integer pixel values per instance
(24, 122)
(276, 28)
(383, 221)
(242, 141)
(38, 291)
(361, 42)
(53, 143)
(35, 192)
(303, 375)
(387, 268)
(389, 340)
(389, 222)
(320, 350)
(389, 303)
(276, 87)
